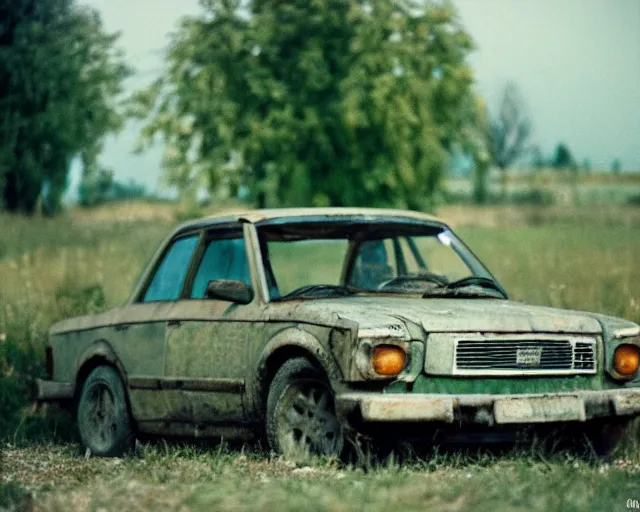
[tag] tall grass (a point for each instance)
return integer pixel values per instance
(50, 270)
(586, 266)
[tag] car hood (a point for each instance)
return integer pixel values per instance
(450, 315)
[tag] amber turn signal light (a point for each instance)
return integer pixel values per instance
(626, 360)
(388, 360)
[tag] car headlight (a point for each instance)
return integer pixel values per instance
(626, 360)
(382, 351)
(624, 353)
(388, 360)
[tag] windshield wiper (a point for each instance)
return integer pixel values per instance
(313, 290)
(456, 288)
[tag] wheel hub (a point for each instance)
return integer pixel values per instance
(307, 420)
(101, 414)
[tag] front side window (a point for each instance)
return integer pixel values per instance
(170, 275)
(224, 258)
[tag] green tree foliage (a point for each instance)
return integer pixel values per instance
(339, 102)
(59, 76)
(563, 158)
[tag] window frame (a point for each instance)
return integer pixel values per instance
(208, 235)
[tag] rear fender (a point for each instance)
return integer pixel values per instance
(99, 352)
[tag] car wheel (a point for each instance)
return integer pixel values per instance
(301, 418)
(103, 416)
(615, 438)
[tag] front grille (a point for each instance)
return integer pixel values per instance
(583, 356)
(571, 355)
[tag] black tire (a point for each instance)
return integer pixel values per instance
(301, 419)
(104, 422)
(615, 438)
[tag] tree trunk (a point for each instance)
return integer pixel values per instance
(505, 184)
(480, 189)
(20, 194)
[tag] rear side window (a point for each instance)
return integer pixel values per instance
(170, 275)
(223, 259)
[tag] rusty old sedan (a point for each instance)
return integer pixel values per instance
(304, 326)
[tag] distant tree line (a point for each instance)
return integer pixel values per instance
(101, 187)
(562, 159)
(509, 139)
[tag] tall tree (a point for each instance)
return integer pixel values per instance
(563, 159)
(509, 131)
(313, 102)
(60, 74)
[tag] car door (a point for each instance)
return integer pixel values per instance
(140, 334)
(209, 341)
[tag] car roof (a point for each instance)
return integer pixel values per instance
(291, 215)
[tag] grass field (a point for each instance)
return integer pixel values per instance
(56, 477)
(88, 261)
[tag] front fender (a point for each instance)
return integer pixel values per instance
(301, 338)
(291, 342)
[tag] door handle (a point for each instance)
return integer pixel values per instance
(122, 327)
(173, 323)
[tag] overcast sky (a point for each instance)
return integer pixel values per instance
(576, 63)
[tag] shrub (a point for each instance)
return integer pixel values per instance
(533, 196)
(73, 300)
(18, 369)
(14, 497)
(634, 200)
(19, 421)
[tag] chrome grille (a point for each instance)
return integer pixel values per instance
(525, 355)
(584, 356)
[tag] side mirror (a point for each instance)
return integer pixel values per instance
(232, 291)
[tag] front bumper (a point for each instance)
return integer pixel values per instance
(488, 409)
(53, 391)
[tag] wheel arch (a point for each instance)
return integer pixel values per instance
(99, 353)
(287, 344)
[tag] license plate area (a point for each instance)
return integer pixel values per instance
(543, 409)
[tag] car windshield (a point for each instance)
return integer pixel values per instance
(337, 259)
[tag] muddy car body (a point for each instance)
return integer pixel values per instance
(303, 325)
